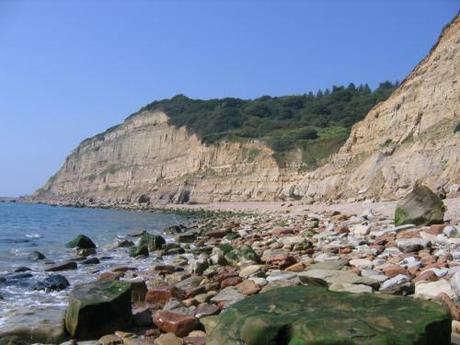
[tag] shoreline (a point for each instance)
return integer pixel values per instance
(286, 244)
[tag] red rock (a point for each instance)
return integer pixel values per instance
(409, 234)
(206, 310)
(454, 309)
(385, 239)
(160, 295)
(427, 260)
(394, 270)
(179, 324)
(217, 233)
(248, 287)
(436, 229)
(282, 231)
(342, 229)
(279, 260)
(346, 250)
(232, 281)
(426, 276)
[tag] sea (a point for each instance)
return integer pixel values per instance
(32, 227)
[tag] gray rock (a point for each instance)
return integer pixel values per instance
(228, 296)
(455, 283)
(409, 245)
(395, 284)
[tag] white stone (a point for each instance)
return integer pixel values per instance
(455, 283)
(450, 231)
(362, 264)
(431, 290)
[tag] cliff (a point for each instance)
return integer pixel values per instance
(409, 137)
(147, 159)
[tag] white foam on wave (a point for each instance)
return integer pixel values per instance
(34, 235)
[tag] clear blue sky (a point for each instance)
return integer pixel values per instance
(70, 69)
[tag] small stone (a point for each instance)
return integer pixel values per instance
(168, 339)
(250, 270)
(298, 267)
(179, 324)
(206, 310)
(450, 231)
(394, 285)
(248, 287)
(412, 244)
(109, 339)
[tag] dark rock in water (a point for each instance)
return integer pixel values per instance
(64, 266)
(81, 241)
(139, 251)
(314, 315)
(98, 308)
(54, 282)
(125, 243)
(22, 269)
(136, 233)
(36, 255)
(173, 249)
(420, 207)
(151, 241)
(174, 229)
(90, 261)
(20, 279)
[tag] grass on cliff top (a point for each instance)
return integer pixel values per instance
(317, 124)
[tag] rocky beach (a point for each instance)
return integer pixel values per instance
(273, 277)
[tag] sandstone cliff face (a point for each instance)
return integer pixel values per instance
(145, 158)
(408, 138)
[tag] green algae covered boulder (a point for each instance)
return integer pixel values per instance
(241, 254)
(420, 207)
(98, 308)
(152, 242)
(81, 242)
(306, 315)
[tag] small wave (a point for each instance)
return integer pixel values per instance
(34, 235)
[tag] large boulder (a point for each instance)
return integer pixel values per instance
(151, 241)
(81, 242)
(313, 315)
(420, 207)
(98, 308)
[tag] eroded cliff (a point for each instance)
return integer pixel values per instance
(147, 159)
(409, 137)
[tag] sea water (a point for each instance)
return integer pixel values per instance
(28, 227)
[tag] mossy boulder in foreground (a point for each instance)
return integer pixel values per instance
(420, 207)
(306, 315)
(98, 308)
